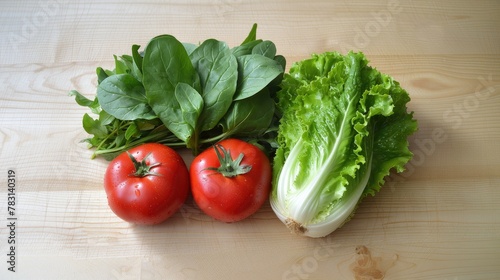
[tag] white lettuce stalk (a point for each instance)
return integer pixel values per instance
(344, 126)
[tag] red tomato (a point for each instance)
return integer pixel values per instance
(147, 185)
(231, 180)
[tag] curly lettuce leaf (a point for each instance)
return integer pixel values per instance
(344, 126)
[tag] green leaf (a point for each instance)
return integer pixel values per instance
(265, 48)
(255, 72)
(132, 130)
(80, 99)
(252, 35)
(94, 127)
(245, 49)
(165, 65)
(93, 141)
(218, 70)
(191, 104)
(136, 56)
(105, 118)
(281, 60)
(249, 117)
(145, 125)
(390, 148)
(101, 74)
(119, 140)
(248, 44)
(123, 64)
(84, 101)
(123, 97)
(137, 59)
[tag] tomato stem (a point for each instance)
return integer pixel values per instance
(229, 167)
(142, 169)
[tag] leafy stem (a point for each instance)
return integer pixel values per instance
(112, 133)
(163, 137)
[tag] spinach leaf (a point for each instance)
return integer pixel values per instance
(265, 48)
(255, 72)
(123, 64)
(191, 104)
(131, 131)
(218, 70)
(281, 60)
(245, 48)
(252, 35)
(92, 126)
(146, 125)
(82, 100)
(105, 118)
(248, 44)
(137, 59)
(123, 97)
(249, 117)
(101, 74)
(136, 56)
(165, 65)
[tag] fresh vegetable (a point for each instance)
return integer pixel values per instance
(185, 95)
(344, 127)
(147, 184)
(231, 180)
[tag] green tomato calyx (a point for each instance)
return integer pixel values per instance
(229, 167)
(142, 168)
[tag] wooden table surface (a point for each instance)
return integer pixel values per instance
(439, 220)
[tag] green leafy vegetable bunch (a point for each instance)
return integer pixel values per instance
(185, 95)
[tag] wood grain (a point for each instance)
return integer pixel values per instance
(438, 220)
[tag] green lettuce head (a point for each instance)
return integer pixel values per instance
(344, 126)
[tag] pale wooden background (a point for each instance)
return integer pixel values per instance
(440, 220)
